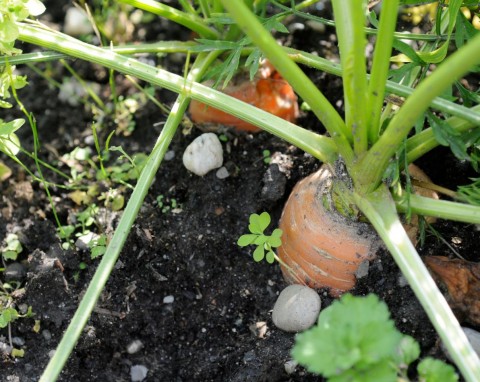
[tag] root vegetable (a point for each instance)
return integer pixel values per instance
(272, 94)
(321, 247)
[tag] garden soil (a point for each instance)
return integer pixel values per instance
(184, 301)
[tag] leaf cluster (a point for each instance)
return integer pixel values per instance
(265, 243)
(355, 340)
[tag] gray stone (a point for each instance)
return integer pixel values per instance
(134, 347)
(138, 373)
(15, 272)
(296, 309)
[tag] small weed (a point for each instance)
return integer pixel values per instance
(168, 204)
(267, 156)
(12, 248)
(348, 347)
(265, 243)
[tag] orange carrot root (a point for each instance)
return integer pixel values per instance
(268, 92)
(322, 248)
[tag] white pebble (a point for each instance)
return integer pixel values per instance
(296, 309)
(168, 299)
(222, 173)
(138, 373)
(204, 154)
(76, 22)
(134, 347)
(290, 366)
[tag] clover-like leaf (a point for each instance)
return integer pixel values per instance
(246, 239)
(259, 253)
(270, 257)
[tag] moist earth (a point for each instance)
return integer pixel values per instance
(184, 300)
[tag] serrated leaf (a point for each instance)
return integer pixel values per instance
(347, 338)
(433, 370)
(246, 239)
(408, 351)
(259, 253)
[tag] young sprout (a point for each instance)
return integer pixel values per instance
(264, 243)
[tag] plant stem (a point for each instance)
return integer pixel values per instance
(192, 22)
(349, 18)
(443, 209)
(425, 141)
(112, 253)
(441, 104)
(380, 66)
(370, 169)
(379, 208)
(321, 107)
(317, 145)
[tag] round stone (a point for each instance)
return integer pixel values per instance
(297, 308)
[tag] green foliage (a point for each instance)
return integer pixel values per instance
(12, 11)
(265, 243)
(356, 341)
(12, 248)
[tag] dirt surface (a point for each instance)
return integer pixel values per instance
(196, 305)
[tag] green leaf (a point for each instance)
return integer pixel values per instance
(6, 316)
(408, 351)
(246, 239)
(255, 224)
(270, 257)
(352, 334)
(8, 31)
(275, 241)
(264, 220)
(10, 255)
(260, 240)
(7, 128)
(433, 370)
(259, 253)
(97, 251)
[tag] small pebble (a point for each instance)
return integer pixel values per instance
(134, 347)
(290, 366)
(204, 154)
(76, 22)
(83, 241)
(362, 270)
(168, 299)
(138, 373)
(18, 341)
(15, 272)
(222, 173)
(297, 308)
(169, 155)
(47, 335)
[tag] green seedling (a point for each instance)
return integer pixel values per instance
(267, 156)
(364, 346)
(168, 204)
(9, 313)
(13, 247)
(265, 243)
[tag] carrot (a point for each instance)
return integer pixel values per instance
(268, 92)
(320, 247)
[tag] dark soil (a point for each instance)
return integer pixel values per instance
(221, 297)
